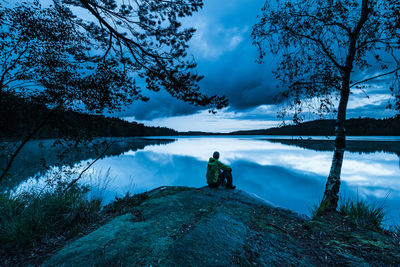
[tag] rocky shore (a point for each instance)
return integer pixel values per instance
(180, 226)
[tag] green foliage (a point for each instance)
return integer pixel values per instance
(362, 213)
(359, 211)
(27, 218)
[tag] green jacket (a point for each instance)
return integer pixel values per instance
(213, 167)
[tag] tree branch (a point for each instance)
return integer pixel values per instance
(321, 44)
(374, 77)
(88, 6)
(12, 65)
(333, 23)
(108, 49)
(364, 17)
(87, 168)
(34, 131)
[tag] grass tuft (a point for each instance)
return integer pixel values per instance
(28, 218)
(359, 211)
(363, 213)
(314, 210)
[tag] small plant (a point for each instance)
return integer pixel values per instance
(28, 217)
(362, 213)
(359, 211)
(314, 210)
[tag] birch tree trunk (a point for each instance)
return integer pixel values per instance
(331, 195)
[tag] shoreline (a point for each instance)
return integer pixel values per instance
(224, 227)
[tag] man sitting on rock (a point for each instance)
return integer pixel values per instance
(217, 172)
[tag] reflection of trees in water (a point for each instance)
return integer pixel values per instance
(37, 156)
(392, 147)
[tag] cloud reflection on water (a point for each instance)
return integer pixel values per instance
(286, 175)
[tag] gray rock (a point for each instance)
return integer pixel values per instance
(204, 227)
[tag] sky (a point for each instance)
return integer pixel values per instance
(222, 47)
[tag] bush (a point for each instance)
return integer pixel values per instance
(362, 213)
(27, 218)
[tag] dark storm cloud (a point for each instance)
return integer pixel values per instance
(226, 57)
(245, 83)
(261, 113)
(160, 105)
(372, 111)
(223, 48)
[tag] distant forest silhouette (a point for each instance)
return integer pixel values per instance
(356, 127)
(359, 146)
(19, 117)
(22, 116)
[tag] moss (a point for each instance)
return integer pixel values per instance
(167, 190)
(313, 223)
(339, 245)
(126, 203)
(376, 244)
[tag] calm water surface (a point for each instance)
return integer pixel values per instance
(285, 172)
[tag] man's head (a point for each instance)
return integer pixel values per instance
(216, 155)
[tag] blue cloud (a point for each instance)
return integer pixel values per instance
(226, 57)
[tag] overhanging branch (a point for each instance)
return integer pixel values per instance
(374, 77)
(322, 45)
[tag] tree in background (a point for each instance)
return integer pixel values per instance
(321, 44)
(95, 56)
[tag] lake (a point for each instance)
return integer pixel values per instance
(285, 171)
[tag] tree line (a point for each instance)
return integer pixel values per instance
(17, 117)
(354, 127)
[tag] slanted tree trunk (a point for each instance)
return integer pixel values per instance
(23, 143)
(331, 195)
